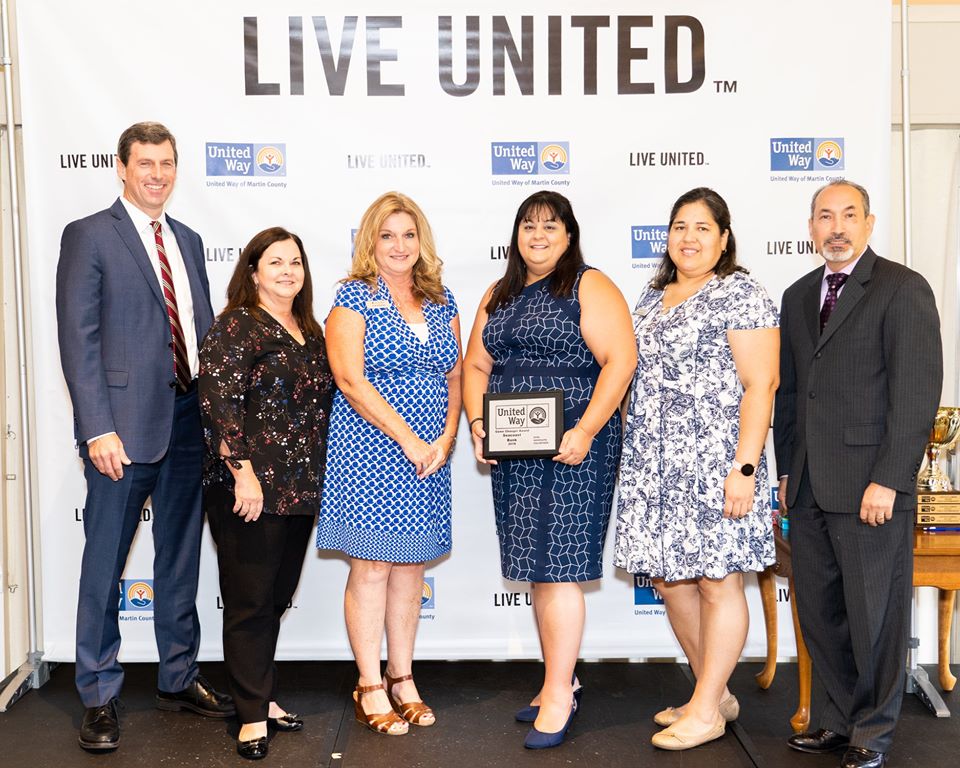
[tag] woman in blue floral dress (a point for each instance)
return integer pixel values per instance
(552, 322)
(693, 511)
(393, 338)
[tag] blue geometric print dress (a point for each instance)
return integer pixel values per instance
(373, 505)
(551, 518)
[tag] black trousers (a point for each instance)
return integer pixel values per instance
(260, 564)
(852, 587)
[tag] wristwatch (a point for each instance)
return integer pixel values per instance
(744, 469)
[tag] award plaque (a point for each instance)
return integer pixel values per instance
(522, 425)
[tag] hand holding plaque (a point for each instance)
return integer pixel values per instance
(522, 425)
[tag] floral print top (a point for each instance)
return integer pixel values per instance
(268, 398)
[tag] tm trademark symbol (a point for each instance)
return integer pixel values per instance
(725, 86)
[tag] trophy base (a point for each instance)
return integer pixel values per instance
(933, 482)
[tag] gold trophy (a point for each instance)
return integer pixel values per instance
(943, 437)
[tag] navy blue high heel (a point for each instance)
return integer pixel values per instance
(530, 712)
(539, 740)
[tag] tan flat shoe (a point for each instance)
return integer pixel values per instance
(379, 722)
(729, 710)
(413, 712)
(674, 742)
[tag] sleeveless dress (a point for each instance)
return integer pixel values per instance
(683, 425)
(551, 518)
(373, 506)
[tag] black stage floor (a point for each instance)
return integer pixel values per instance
(474, 701)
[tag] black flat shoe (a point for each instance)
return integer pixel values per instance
(199, 697)
(818, 742)
(100, 728)
(289, 722)
(255, 749)
(858, 757)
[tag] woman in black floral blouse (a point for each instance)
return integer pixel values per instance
(265, 391)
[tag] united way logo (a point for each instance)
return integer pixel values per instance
(830, 153)
(648, 241)
(644, 592)
(554, 157)
(428, 598)
(806, 154)
(270, 160)
(529, 158)
(232, 159)
(136, 595)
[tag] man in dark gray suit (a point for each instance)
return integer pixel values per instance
(860, 377)
(133, 304)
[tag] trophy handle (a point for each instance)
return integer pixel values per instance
(954, 420)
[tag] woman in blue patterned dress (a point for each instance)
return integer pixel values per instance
(551, 322)
(693, 510)
(393, 338)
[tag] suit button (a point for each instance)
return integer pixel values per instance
(817, 356)
(169, 345)
(813, 395)
(172, 383)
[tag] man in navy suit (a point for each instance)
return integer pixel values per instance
(132, 308)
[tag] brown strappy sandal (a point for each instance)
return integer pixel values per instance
(411, 711)
(380, 722)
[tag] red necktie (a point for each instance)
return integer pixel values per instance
(181, 364)
(835, 282)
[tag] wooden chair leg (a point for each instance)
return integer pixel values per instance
(945, 600)
(768, 596)
(800, 721)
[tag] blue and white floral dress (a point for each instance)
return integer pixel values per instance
(681, 434)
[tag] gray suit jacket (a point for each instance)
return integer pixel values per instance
(856, 403)
(114, 331)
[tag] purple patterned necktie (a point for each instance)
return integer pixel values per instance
(835, 282)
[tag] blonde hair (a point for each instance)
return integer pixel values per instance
(426, 272)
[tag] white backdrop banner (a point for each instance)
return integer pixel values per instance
(283, 117)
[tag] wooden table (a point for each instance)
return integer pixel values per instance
(936, 563)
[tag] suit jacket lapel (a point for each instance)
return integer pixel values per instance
(189, 260)
(131, 239)
(853, 291)
(811, 306)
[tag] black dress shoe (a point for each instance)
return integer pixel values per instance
(818, 742)
(101, 727)
(199, 697)
(255, 749)
(289, 722)
(858, 757)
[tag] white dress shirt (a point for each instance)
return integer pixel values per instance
(181, 284)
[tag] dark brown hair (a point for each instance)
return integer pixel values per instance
(241, 292)
(144, 133)
(727, 265)
(548, 205)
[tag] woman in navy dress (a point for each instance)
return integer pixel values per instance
(551, 322)
(394, 344)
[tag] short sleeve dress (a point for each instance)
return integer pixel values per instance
(373, 505)
(681, 435)
(551, 518)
